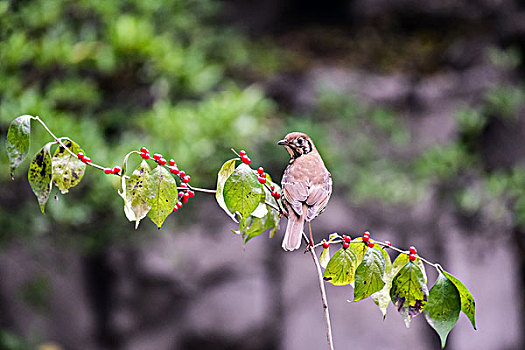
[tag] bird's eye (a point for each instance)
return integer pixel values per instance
(299, 141)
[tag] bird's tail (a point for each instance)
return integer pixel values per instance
(294, 231)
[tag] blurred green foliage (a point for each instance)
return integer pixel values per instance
(116, 75)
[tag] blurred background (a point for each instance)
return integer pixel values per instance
(418, 109)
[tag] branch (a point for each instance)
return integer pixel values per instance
(324, 299)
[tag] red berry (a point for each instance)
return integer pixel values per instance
(144, 150)
(171, 162)
(260, 170)
(186, 179)
(175, 208)
(183, 185)
(174, 170)
(325, 244)
(412, 250)
(191, 193)
(261, 179)
(388, 243)
(182, 173)
(108, 171)
(81, 156)
(366, 233)
(366, 238)
(162, 161)
(185, 197)
(272, 187)
(371, 244)
(346, 245)
(242, 153)
(179, 204)
(116, 170)
(274, 194)
(157, 156)
(277, 196)
(263, 175)
(86, 160)
(411, 257)
(347, 239)
(246, 160)
(181, 194)
(144, 155)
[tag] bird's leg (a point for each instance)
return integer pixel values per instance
(311, 236)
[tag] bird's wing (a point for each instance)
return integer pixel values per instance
(295, 194)
(318, 197)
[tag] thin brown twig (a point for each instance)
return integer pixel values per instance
(324, 298)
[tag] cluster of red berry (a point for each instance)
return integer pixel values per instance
(261, 175)
(186, 193)
(83, 158)
(116, 170)
(244, 157)
(366, 239)
(413, 251)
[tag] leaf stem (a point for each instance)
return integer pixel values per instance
(59, 141)
(198, 189)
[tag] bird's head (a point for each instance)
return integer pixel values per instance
(297, 144)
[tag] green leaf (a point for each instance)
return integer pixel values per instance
(442, 310)
(401, 261)
(226, 170)
(17, 142)
(340, 270)
(409, 291)
(137, 193)
(164, 187)
(324, 258)
(382, 297)
(468, 305)
(68, 170)
(368, 275)
(40, 174)
(242, 191)
(255, 225)
(358, 248)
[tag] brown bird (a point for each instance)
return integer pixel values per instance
(306, 186)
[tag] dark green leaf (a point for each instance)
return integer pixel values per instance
(442, 310)
(40, 174)
(382, 297)
(17, 142)
(468, 305)
(137, 193)
(242, 191)
(368, 275)
(409, 291)
(340, 270)
(164, 187)
(68, 170)
(226, 170)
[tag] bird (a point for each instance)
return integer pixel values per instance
(306, 186)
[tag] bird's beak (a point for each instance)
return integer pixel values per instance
(282, 142)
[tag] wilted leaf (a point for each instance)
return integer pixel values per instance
(368, 275)
(17, 142)
(468, 305)
(139, 190)
(226, 170)
(382, 298)
(324, 258)
(409, 291)
(442, 310)
(340, 270)
(68, 170)
(242, 191)
(165, 192)
(39, 175)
